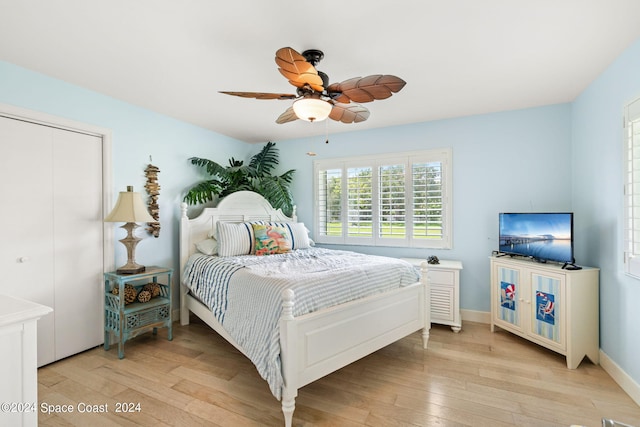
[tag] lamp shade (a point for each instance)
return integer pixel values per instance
(312, 109)
(129, 208)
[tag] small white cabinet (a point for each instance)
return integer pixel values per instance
(18, 361)
(550, 306)
(444, 284)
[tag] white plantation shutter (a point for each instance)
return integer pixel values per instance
(392, 206)
(328, 204)
(403, 199)
(359, 202)
(428, 195)
(632, 189)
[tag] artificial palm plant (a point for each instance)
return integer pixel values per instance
(256, 176)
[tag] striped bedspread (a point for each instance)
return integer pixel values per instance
(244, 292)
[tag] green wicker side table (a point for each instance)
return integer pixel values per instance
(127, 320)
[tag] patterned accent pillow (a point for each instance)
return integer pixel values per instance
(271, 239)
(298, 233)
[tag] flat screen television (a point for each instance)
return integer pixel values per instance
(541, 236)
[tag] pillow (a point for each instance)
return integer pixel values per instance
(234, 238)
(207, 246)
(271, 239)
(298, 233)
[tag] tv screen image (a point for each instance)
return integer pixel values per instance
(542, 236)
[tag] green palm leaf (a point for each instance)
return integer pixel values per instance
(203, 192)
(266, 160)
(276, 190)
(210, 166)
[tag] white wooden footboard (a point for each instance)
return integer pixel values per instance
(319, 343)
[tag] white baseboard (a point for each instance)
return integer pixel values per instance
(627, 383)
(476, 316)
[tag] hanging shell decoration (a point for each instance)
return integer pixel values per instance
(153, 189)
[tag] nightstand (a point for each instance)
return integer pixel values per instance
(444, 282)
(126, 321)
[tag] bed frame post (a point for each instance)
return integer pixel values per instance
(424, 279)
(288, 356)
(185, 246)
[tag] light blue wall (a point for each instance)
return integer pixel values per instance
(510, 161)
(136, 134)
(598, 201)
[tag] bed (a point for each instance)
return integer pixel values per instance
(303, 341)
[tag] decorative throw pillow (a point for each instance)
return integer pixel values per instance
(271, 239)
(234, 238)
(298, 233)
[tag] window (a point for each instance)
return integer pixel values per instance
(399, 199)
(632, 189)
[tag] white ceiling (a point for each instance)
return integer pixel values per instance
(458, 57)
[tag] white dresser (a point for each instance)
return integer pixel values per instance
(444, 282)
(19, 360)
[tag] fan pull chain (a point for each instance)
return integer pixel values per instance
(326, 129)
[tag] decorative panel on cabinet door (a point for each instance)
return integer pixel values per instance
(547, 302)
(506, 297)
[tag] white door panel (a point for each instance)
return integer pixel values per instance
(26, 221)
(78, 242)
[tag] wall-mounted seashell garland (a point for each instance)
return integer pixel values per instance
(153, 189)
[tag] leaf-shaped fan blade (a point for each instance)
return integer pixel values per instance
(297, 70)
(349, 113)
(261, 95)
(367, 89)
(288, 116)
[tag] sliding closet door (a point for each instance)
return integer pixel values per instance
(26, 221)
(51, 231)
(78, 242)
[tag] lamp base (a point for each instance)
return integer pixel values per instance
(131, 269)
(130, 242)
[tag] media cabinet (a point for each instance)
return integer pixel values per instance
(548, 305)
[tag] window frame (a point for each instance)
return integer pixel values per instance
(441, 155)
(631, 214)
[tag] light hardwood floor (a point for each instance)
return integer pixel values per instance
(475, 378)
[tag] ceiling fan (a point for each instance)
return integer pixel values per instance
(316, 99)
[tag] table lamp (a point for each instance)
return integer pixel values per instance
(130, 209)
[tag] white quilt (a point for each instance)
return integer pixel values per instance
(244, 292)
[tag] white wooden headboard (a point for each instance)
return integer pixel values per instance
(240, 206)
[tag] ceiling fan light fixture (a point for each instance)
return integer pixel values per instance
(312, 109)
